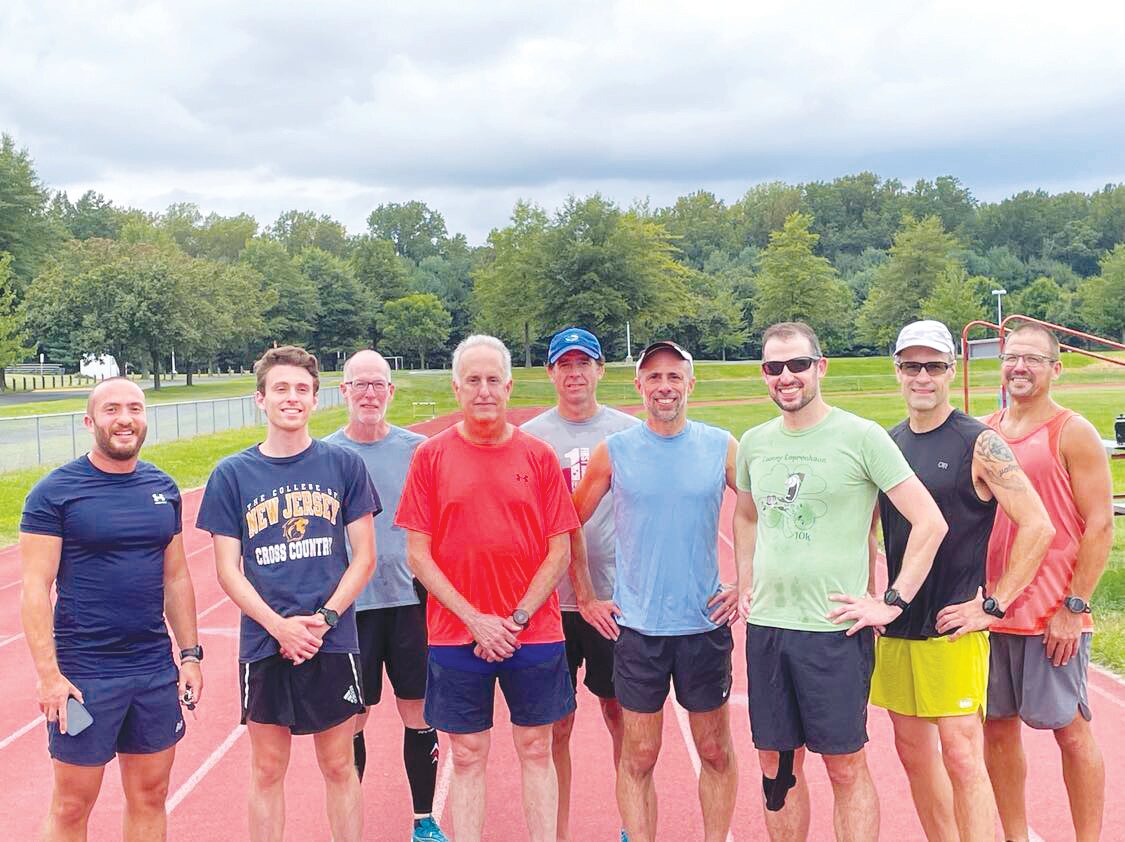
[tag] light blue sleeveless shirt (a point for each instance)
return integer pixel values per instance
(667, 491)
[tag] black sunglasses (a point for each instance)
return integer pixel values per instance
(932, 368)
(795, 365)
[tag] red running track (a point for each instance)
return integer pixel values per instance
(209, 779)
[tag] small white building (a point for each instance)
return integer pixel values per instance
(99, 367)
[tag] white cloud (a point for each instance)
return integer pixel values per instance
(338, 106)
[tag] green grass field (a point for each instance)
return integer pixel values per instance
(865, 386)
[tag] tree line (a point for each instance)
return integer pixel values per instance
(855, 257)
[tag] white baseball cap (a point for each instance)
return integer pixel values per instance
(927, 333)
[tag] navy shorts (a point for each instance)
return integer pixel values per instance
(133, 714)
(809, 688)
(461, 688)
(585, 644)
(698, 665)
(395, 638)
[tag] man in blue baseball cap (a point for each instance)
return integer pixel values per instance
(574, 427)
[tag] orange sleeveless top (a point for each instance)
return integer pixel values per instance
(1038, 455)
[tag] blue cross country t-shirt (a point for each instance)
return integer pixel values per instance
(109, 616)
(291, 514)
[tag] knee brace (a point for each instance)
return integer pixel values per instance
(775, 789)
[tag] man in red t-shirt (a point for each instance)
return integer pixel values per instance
(488, 519)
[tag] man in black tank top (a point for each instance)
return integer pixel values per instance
(931, 665)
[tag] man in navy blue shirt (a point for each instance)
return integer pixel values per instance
(105, 530)
(278, 513)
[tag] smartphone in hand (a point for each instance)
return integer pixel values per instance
(78, 719)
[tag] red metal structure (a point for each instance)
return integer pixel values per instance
(1003, 327)
(1114, 453)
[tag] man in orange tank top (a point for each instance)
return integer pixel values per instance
(1040, 648)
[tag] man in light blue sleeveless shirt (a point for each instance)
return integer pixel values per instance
(668, 477)
(390, 615)
(574, 427)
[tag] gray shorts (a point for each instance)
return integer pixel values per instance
(1023, 682)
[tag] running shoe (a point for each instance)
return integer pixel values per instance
(427, 830)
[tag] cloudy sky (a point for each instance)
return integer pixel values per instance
(469, 105)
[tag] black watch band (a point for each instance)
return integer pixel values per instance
(891, 597)
(992, 607)
(1077, 605)
(330, 616)
(192, 652)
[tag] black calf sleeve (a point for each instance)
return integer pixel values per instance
(359, 747)
(775, 789)
(420, 756)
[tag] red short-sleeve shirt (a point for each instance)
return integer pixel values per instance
(489, 511)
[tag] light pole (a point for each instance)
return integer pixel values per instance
(999, 293)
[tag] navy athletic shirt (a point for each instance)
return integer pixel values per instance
(109, 616)
(943, 459)
(291, 514)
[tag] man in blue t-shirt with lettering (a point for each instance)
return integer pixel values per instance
(278, 513)
(668, 477)
(105, 531)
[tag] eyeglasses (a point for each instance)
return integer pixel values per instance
(361, 386)
(1030, 360)
(932, 368)
(796, 365)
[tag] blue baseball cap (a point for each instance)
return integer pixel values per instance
(573, 339)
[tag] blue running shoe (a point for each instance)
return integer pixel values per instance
(427, 830)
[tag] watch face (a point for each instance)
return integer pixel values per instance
(891, 596)
(519, 617)
(1076, 604)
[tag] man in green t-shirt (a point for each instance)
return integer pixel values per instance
(807, 485)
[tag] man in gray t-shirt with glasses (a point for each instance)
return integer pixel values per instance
(574, 427)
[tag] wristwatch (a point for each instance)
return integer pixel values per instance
(521, 618)
(891, 597)
(330, 616)
(991, 606)
(192, 652)
(1077, 605)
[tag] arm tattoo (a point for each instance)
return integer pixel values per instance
(998, 462)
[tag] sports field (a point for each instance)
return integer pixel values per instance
(207, 795)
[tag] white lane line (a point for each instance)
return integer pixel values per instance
(444, 780)
(685, 732)
(1108, 675)
(1106, 695)
(221, 602)
(11, 738)
(11, 639)
(191, 783)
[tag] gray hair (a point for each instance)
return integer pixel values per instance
(486, 341)
(349, 360)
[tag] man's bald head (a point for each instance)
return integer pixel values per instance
(120, 389)
(366, 359)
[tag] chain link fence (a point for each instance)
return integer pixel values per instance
(30, 440)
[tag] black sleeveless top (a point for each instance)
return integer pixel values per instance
(943, 460)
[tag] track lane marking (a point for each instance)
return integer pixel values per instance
(192, 782)
(11, 738)
(442, 791)
(685, 732)
(11, 639)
